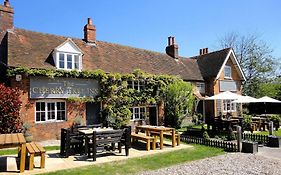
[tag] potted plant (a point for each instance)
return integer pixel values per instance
(26, 132)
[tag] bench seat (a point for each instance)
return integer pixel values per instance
(147, 139)
(35, 149)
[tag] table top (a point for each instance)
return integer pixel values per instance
(154, 128)
(10, 140)
(88, 131)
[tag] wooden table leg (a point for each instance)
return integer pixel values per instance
(161, 139)
(173, 138)
(22, 157)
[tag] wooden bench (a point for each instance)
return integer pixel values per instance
(34, 149)
(169, 134)
(145, 138)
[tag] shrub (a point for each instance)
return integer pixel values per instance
(178, 102)
(10, 104)
(247, 122)
(206, 135)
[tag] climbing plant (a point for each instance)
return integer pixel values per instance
(115, 95)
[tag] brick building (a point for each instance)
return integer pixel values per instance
(44, 104)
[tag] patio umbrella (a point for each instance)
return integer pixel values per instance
(227, 95)
(245, 99)
(265, 100)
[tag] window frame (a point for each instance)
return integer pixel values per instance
(232, 106)
(139, 113)
(227, 68)
(65, 60)
(138, 85)
(46, 111)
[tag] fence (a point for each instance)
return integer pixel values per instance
(255, 137)
(227, 146)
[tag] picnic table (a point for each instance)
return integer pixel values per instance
(15, 140)
(161, 130)
(102, 137)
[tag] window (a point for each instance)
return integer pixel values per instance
(138, 113)
(137, 85)
(50, 111)
(228, 106)
(201, 87)
(227, 71)
(68, 61)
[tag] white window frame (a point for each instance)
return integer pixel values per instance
(72, 61)
(226, 104)
(227, 68)
(46, 111)
(137, 85)
(200, 87)
(138, 114)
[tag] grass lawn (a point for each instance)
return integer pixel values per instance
(277, 133)
(15, 151)
(151, 162)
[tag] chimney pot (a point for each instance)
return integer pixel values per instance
(90, 21)
(6, 3)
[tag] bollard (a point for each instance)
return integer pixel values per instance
(239, 138)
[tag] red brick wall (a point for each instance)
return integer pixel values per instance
(45, 130)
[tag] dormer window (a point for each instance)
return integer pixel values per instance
(68, 61)
(68, 56)
(227, 72)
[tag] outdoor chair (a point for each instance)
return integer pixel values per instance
(71, 143)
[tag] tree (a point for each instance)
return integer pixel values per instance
(255, 58)
(9, 110)
(271, 89)
(178, 102)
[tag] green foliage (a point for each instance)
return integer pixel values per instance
(206, 135)
(271, 89)
(275, 118)
(178, 102)
(115, 94)
(247, 122)
(10, 104)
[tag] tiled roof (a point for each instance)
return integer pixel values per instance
(34, 50)
(211, 63)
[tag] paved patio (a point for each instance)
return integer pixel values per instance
(54, 162)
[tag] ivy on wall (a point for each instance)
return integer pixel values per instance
(115, 94)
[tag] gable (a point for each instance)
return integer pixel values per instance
(231, 61)
(68, 46)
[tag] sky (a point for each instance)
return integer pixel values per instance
(147, 24)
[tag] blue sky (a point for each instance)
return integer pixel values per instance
(147, 23)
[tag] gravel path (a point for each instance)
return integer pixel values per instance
(230, 163)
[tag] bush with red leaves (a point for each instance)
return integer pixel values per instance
(10, 104)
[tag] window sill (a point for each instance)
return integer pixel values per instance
(50, 122)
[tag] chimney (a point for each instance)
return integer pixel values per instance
(172, 48)
(203, 51)
(6, 16)
(90, 32)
